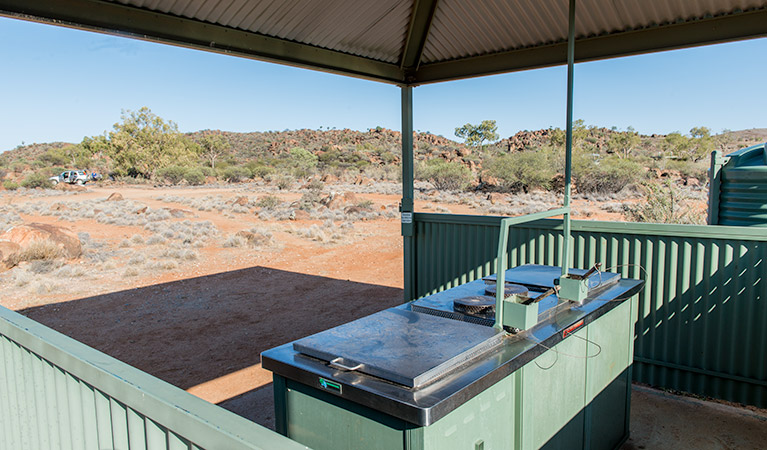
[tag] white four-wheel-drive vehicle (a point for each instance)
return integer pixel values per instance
(71, 176)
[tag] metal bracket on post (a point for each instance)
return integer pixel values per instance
(503, 320)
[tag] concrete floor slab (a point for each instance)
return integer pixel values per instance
(660, 420)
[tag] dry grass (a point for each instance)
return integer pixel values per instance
(39, 250)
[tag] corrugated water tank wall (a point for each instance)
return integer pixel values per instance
(742, 199)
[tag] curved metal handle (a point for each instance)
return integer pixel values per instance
(335, 363)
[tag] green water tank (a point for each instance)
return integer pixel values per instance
(742, 199)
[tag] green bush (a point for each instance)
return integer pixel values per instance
(235, 174)
(610, 174)
(194, 176)
(36, 180)
(523, 170)
(172, 174)
(444, 175)
(303, 162)
(259, 170)
(268, 202)
(10, 185)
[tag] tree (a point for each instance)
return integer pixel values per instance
(303, 161)
(702, 143)
(213, 146)
(677, 144)
(144, 143)
(476, 135)
(624, 142)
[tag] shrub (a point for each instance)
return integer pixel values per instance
(664, 204)
(259, 170)
(284, 183)
(268, 202)
(194, 176)
(365, 204)
(10, 185)
(309, 200)
(444, 175)
(611, 174)
(172, 174)
(523, 170)
(36, 180)
(316, 185)
(235, 174)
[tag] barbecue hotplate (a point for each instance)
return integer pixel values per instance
(401, 346)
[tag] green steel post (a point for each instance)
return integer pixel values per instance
(406, 206)
(569, 137)
(500, 273)
(715, 186)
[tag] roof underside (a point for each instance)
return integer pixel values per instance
(411, 41)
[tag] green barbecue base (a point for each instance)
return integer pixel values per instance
(574, 396)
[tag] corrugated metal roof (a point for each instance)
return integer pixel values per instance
(375, 29)
(369, 38)
(463, 29)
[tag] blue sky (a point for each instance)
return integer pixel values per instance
(60, 84)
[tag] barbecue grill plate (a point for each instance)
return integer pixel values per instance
(402, 346)
(508, 291)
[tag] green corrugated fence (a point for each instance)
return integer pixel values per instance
(702, 325)
(56, 393)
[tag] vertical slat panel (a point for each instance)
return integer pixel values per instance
(40, 402)
(103, 419)
(88, 414)
(7, 406)
(31, 427)
(51, 400)
(22, 406)
(119, 416)
(74, 402)
(175, 442)
(156, 436)
(136, 430)
(62, 408)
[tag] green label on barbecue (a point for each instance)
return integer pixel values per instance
(330, 385)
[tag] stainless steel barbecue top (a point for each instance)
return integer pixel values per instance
(401, 346)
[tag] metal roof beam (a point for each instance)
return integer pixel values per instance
(117, 19)
(423, 13)
(667, 37)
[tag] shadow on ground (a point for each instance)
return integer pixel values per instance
(191, 331)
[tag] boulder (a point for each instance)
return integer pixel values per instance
(115, 197)
(28, 234)
(7, 248)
